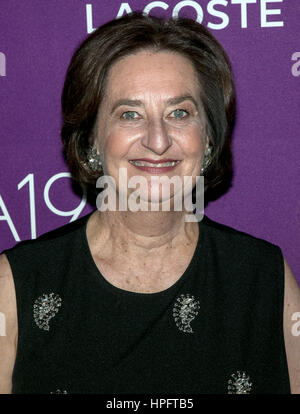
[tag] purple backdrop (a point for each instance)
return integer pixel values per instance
(262, 40)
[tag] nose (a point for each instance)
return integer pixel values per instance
(156, 137)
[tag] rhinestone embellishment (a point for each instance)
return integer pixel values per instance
(45, 308)
(59, 392)
(184, 312)
(93, 160)
(239, 383)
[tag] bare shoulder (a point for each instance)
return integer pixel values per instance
(8, 325)
(291, 319)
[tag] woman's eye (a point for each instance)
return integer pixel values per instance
(179, 113)
(130, 115)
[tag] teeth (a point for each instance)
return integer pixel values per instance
(149, 164)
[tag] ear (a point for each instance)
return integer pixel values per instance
(93, 137)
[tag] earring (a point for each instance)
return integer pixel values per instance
(206, 159)
(93, 160)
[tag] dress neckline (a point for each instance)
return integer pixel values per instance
(193, 265)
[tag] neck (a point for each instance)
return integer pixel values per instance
(137, 232)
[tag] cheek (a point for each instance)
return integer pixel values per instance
(115, 144)
(192, 142)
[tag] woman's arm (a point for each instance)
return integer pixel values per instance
(291, 323)
(8, 326)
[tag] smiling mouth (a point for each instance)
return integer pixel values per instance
(165, 164)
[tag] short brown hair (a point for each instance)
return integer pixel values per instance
(87, 73)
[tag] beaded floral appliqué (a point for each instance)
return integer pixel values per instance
(239, 384)
(59, 392)
(184, 312)
(45, 308)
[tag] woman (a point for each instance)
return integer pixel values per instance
(126, 301)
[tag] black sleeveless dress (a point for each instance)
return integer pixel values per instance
(217, 330)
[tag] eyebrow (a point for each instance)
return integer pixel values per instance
(172, 101)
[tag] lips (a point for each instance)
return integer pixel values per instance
(155, 166)
(147, 162)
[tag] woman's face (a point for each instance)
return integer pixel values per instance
(151, 111)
